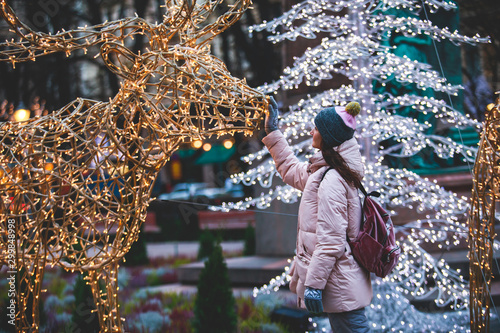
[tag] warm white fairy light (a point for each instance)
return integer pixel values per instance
(362, 56)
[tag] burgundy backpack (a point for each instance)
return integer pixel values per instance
(375, 247)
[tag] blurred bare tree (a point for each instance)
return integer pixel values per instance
(56, 79)
(481, 17)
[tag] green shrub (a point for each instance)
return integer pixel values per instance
(215, 308)
(249, 249)
(153, 279)
(181, 261)
(84, 316)
(207, 244)
(174, 300)
(57, 285)
(138, 254)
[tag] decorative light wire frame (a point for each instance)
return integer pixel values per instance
(485, 199)
(75, 184)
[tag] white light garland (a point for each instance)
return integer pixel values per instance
(391, 311)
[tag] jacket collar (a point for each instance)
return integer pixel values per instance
(349, 150)
(316, 162)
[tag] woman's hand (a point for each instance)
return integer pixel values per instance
(271, 122)
(313, 299)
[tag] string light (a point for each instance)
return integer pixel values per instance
(197, 144)
(72, 178)
(356, 47)
(228, 144)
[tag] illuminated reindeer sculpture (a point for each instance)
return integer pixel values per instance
(75, 184)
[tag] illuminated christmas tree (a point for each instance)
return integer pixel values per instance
(375, 44)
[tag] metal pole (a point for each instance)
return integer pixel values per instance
(363, 84)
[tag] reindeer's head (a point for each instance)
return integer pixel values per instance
(181, 90)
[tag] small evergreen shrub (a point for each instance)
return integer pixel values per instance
(249, 248)
(138, 254)
(215, 307)
(207, 244)
(84, 317)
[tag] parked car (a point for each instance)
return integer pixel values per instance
(183, 191)
(233, 193)
(192, 191)
(202, 193)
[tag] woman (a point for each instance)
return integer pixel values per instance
(325, 275)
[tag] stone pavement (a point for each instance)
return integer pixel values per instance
(245, 273)
(186, 249)
(248, 271)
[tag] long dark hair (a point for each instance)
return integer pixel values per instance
(336, 161)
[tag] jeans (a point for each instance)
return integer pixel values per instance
(349, 322)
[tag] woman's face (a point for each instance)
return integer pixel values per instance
(316, 138)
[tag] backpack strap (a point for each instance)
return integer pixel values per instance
(371, 194)
(324, 174)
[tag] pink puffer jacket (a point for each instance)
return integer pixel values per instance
(327, 210)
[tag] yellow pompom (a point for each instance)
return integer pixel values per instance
(353, 108)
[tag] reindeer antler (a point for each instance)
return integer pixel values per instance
(225, 20)
(179, 13)
(35, 44)
(201, 12)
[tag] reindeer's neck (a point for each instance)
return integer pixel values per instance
(135, 130)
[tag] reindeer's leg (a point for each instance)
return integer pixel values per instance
(106, 299)
(31, 258)
(28, 280)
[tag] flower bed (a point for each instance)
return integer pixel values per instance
(143, 310)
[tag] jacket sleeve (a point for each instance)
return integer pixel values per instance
(330, 230)
(292, 170)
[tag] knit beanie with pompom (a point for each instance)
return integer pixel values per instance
(337, 124)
